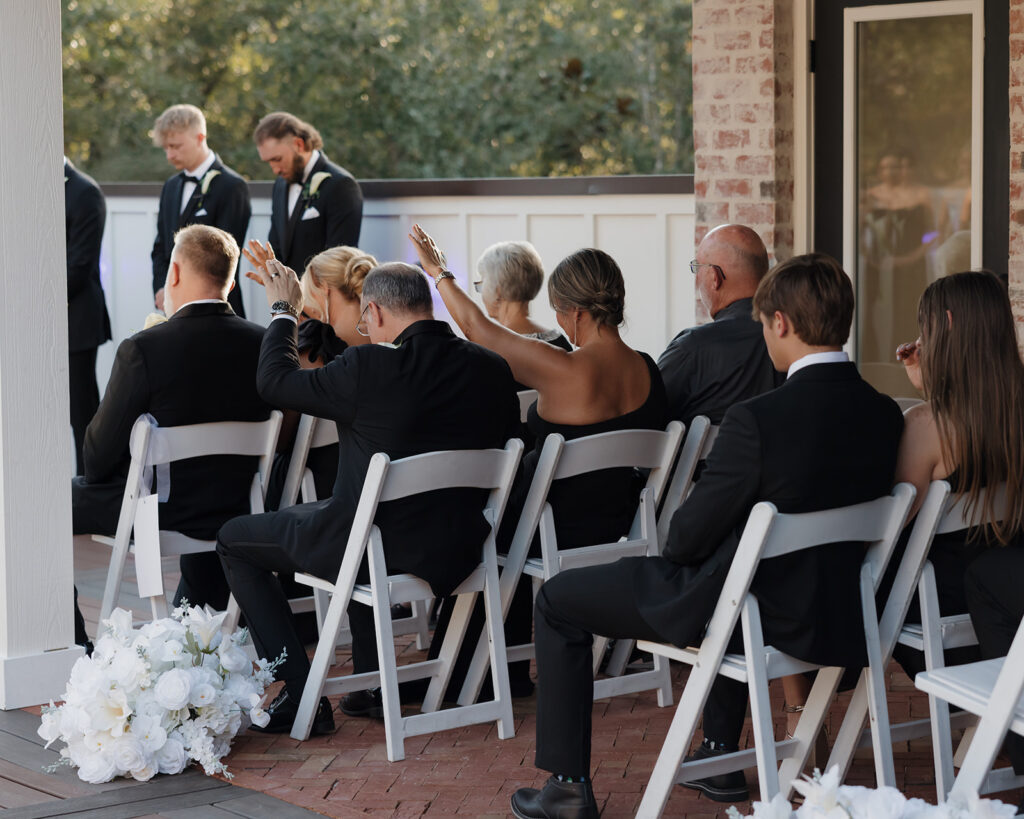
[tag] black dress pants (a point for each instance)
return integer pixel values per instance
(571, 608)
(85, 397)
(996, 605)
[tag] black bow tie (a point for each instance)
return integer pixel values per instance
(193, 179)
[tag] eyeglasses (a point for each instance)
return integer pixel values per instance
(361, 327)
(478, 286)
(695, 267)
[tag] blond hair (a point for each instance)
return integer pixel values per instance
(210, 251)
(176, 119)
(342, 268)
(590, 280)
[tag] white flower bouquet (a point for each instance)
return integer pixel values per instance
(825, 798)
(153, 699)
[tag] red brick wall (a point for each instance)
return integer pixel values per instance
(1016, 260)
(743, 117)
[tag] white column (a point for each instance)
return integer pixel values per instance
(36, 572)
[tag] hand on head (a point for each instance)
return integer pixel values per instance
(431, 256)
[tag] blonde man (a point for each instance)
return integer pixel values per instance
(204, 192)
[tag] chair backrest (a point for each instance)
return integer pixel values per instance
(769, 533)
(695, 448)
(639, 448)
(388, 480)
(956, 515)
(312, 433)
(526, 399)
(152, 445)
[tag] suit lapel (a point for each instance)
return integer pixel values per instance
(191, 206)
(293, 220)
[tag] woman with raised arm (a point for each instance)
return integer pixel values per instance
(970, 431)
(601, 386)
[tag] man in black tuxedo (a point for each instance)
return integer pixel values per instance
(315, 204)
(205, 192)
(823, 439)
(85, 213)
(710, 367)
(169, 372)
(417, 388)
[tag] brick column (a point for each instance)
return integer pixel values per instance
(743, 117)
(1016, 260)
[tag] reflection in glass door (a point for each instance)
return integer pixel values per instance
(915, 109)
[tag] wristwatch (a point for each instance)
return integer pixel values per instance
(281, 306)
(444, 274)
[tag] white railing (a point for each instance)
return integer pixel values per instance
(650, 235)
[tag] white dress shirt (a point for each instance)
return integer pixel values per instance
(295, 188)
(199, 172)
(834, 357)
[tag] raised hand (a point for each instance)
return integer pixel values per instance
(258, 255)
(431, 256)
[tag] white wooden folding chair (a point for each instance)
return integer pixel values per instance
(939, 514)
(770, 534)
(559, 459)
(492, 469)
(992, 690)
(299, 485)
(526, 399)
(700, 437)
(152, 447)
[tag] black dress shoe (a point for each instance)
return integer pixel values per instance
(363, 704)
(282, 713)
(727, 787)
(557, 800)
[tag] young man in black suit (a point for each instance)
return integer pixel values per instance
(416, 388)
(315, 204)
(85, 213)
(168, 371)
(823, 439)
(205, 192)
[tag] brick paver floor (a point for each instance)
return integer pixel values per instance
(470, 772)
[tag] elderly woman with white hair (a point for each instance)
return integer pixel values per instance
(509, 276)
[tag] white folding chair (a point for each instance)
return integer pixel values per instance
(638, 448)
(992, 690)
(151, 447)
(700, 437)
(770, 534)
(492, 469)
(939, 514)
(526, 399)
(316, 433)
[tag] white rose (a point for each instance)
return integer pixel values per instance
(259, 717)
(106, 647)
(173, 688)
(97, 768)
(173, 652)
(234, 659)
(171, 759)
(120, 623)
(128, 754)
(127, 669)
(145, 773)
(86, 678)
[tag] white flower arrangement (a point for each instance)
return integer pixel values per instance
(825, 798)
(152, 700)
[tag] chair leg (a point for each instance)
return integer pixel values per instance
(600, 646)
(760, 704)
(848, 738)
(158, 605)
(421, 614)
(826, 683)
(878, 710)
(394, 733)
(495, 631)
(453, 638)
(115, 574)
(621, 653)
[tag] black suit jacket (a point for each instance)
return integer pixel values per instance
(85, 213)
(823, 439)
(335, 214)
(431, 391)
(225, 205)
(169, 372)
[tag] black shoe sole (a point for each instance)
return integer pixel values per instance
(718, 794)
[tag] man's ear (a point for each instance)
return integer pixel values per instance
(173, 274)
(233, 283)
(300, 145)
(781, 325)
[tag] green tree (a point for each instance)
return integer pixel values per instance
(398, 88)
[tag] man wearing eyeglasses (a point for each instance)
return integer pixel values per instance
(710, 367)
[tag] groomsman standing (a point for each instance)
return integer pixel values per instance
(205, 192)
(316, 204)
(85, 213)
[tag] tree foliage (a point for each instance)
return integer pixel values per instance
(398, 88)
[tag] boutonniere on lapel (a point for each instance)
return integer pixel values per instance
(311, 192)
(204, 186)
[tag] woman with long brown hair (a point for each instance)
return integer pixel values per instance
(970, 430)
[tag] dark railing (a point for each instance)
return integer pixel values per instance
(530, 186)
